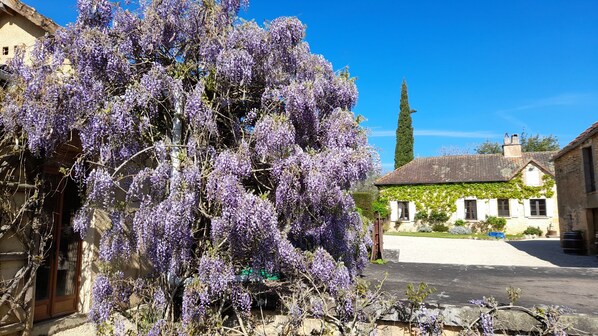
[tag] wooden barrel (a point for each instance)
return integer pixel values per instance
(573, 242)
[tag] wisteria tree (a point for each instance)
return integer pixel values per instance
(217, 147)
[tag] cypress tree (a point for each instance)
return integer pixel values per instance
(404, 146)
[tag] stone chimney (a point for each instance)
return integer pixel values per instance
(511, 146)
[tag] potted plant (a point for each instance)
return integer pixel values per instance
(551, 232)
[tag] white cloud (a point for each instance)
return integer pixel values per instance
(565, 99)
(438, 133)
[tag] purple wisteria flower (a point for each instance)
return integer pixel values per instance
(207, 145)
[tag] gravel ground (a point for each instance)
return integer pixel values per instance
(83, 330)
(539, 252)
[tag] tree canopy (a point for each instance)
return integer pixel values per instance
(529, 143)
(404, 134)
(214, 145)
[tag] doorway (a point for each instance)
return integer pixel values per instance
(593, 229)
(57, 279)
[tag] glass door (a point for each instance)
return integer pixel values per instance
(57, 282)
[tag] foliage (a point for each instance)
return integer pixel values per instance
(424, 228)
(443, 197)
(514, 294)
(437, 217)
(533, 231)
(529, 143)
(363, 201)
(460, 230)
(496, 223)
(404, 134)
(416, 297)
(421, 216)
(433, 218)
(438, 227)
(213, 145)
(381, 207)
(489, 147)
(539, 143)
(460, 222)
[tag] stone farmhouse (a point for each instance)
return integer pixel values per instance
(576, 168)
(514, 185)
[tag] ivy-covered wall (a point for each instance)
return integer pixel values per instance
(443, 197)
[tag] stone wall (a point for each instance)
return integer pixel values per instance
(577, 208)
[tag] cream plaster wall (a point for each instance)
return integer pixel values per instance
(17, 31)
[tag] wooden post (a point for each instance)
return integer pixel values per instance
(377, 235)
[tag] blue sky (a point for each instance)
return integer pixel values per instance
(475, 69)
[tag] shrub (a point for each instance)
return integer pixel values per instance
(496, 223)
(363, 201)
(440, 228)
(424, 228)
(438, 217)
(533, 231)
(460, 222)
(460, 230)
(381, 207)
(421, 216)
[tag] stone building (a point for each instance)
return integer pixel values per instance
(576, 168)
(62, 284)
(514, 185)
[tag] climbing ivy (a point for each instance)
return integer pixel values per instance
(443, 197)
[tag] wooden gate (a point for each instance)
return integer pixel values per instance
(377, 235)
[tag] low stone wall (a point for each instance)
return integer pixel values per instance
(456, 319)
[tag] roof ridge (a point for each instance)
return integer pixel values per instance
(32, 15)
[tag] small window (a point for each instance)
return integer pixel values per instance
(537, 207)
(4, 50)
(588, 169)
(503, 208)
(403, 211)
(471, 211)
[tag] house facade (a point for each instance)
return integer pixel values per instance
(576, 168)
(513, 185)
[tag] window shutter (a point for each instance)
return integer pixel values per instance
(492, 207)
(394, 211)
(526, 208)
(460, 208)
(514, 207)
(549, 207)
(482, 209)
(412, 211)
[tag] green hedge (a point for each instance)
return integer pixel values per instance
(364, 201)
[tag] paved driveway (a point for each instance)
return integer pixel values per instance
(540, 252)
(462, 269)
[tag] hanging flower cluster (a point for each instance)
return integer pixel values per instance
(214, 146)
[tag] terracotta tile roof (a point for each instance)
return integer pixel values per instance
(466, 168)
(30, 14)
(577, 141)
